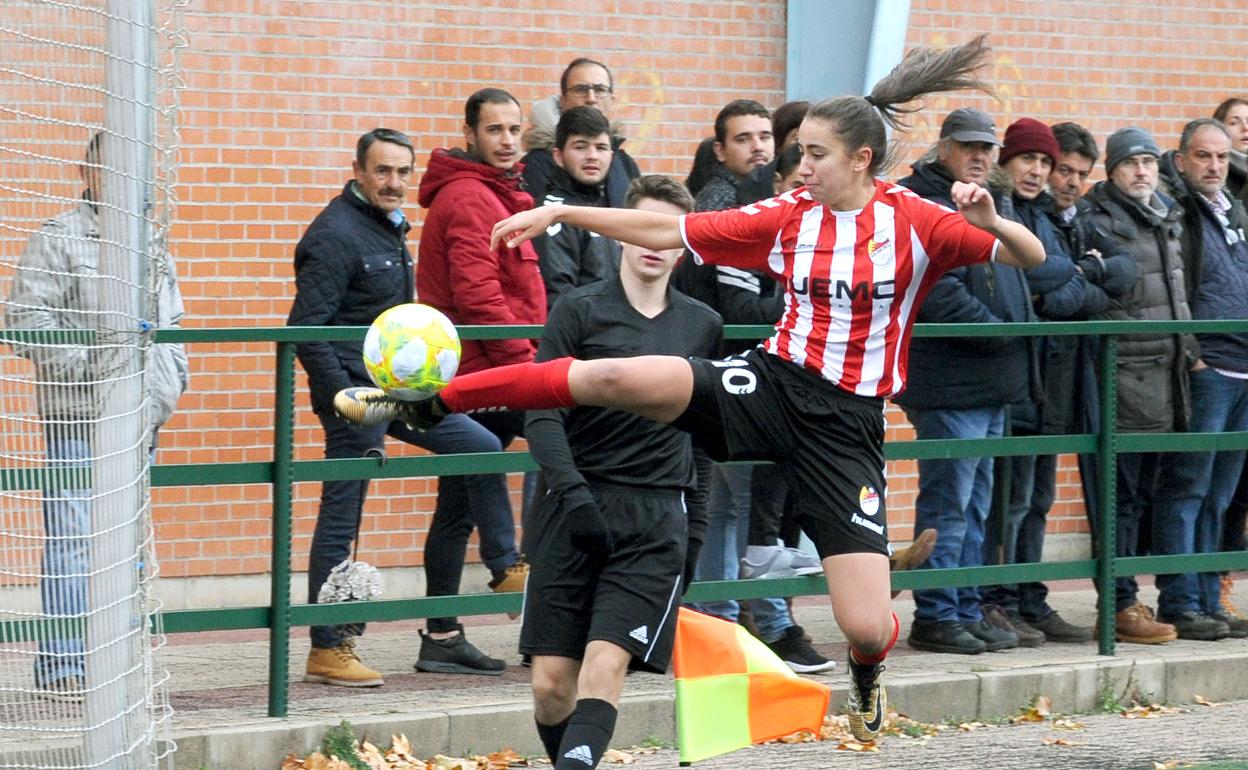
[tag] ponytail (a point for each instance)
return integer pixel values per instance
(859, 121)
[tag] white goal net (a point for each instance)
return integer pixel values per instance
(87, 141)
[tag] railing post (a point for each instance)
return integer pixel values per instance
(1107, 518)
(283, 480)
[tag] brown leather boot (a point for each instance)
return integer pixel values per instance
(1137, 625)
(913, 555)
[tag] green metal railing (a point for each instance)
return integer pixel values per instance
(284, 471)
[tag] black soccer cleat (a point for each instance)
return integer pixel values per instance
(372, 406)
(867, 700)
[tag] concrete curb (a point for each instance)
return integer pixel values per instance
(978, 695)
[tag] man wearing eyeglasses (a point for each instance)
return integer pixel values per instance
(584, 83)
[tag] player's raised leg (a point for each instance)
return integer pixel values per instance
(658, 387)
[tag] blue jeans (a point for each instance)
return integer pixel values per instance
(463, 502)
(66, 552)
(726, 535)
(1033, 483)
(954, 499)
(1194, 490)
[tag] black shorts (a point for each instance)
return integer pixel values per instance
(828, 443)
(626, 593)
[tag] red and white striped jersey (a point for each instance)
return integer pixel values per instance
(853, 280)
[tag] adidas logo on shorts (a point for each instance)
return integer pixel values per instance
(581, 754)
(641, 634)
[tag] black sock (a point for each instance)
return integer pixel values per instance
(589, 731)
(552, 736)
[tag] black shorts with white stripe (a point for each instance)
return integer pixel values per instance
(623, 587)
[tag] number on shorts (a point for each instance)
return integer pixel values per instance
(737, 379)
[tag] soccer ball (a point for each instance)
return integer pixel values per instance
(411, 351)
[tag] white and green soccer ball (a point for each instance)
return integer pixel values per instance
(411, 351)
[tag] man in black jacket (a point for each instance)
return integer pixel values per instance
(350, 265)
(584, 83)
(959, 388)
(1016, 529)
(572, 256)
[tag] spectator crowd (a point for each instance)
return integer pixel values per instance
(1162, 237)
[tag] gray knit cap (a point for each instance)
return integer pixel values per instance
(1125, 142)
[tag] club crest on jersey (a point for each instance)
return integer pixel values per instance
(881, 251)
(869, 500)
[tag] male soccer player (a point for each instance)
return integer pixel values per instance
(610, 536)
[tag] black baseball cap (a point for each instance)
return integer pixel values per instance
(967, 124)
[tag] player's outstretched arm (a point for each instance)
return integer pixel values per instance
(1019, 247)
(648, 229)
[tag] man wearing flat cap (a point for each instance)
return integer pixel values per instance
(959, 388)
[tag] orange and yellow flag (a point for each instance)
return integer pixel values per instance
(732, 691)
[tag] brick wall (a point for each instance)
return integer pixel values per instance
(277, 92)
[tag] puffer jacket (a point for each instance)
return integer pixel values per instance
(56, 287)
(1153, 391)
(456, 270)
(539, 163)
(350, 265)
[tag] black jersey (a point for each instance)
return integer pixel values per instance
(607, 445)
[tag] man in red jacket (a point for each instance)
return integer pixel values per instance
(464, 192)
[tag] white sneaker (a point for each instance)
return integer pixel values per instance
(775, 561)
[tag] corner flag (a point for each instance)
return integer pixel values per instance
(732, 691)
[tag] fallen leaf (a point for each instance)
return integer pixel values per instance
(1201, 700)
(1171, 764)
(615, 756)
(291, 762)
(967, 727)
(856, 746)
(373, 757)
(1068, 724)
(1059, 742)
(443, 762)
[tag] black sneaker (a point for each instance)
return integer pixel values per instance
(1012, 622)
(1197, 626)
(797, 653)
(994, 639)
(455, 655)
(867, 700)
(1237, 626)
(943, 636)
(1055, 629)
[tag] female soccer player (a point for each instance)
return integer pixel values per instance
(856, 256)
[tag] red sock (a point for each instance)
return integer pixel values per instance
(517, 387)
(871, 660)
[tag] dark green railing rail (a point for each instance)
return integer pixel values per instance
(283, 471)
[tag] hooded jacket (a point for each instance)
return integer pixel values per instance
(456, 270)
(1152, 368)
(351, 264)
(539, 163)
(56, 287)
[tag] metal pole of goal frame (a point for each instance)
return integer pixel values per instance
(118, 734)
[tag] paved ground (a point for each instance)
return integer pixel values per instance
(218, 690)
(1103, 742)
